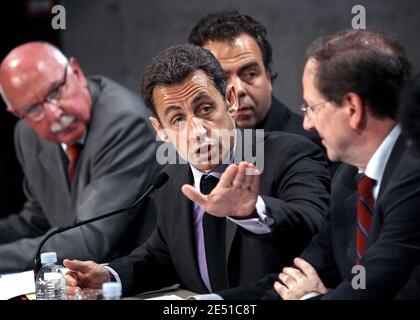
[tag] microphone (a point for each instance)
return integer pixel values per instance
(159, 181)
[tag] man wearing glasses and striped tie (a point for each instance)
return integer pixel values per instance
(370, 242)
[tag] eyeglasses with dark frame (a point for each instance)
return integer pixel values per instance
(308, 110)
(54, 96)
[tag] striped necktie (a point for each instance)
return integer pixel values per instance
(365, 209)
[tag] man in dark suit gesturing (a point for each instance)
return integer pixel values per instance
(251, 222)
(370, 241)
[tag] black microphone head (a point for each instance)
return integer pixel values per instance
(160, 180)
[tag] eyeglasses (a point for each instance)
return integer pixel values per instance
(54, 96)
(308, 111)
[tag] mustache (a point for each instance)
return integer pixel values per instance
(62, 124)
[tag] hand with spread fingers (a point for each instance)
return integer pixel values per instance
(296, 282)
(235, 195)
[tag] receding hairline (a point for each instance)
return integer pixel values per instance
(33, 52)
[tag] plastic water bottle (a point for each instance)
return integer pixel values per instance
(111, 291)
(50, 283)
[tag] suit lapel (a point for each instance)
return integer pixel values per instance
(53, 163)
(350, 201)
(347, 203)
(394, 159)
(351, 221)
(231, 229)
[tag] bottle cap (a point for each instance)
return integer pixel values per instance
(48, 257)
(111, 289)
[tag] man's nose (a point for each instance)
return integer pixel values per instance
(240, 86)
(52, 112)
(307, 123)
(196, 130)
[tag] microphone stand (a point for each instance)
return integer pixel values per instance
(160, 180)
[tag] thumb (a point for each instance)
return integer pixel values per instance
(305, 267)
(194, 195)
(77, 265)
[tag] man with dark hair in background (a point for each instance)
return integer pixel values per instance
(351, 85)
(85, 147)
(241, 46)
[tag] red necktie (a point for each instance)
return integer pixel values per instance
(73, 151)
(365, 208)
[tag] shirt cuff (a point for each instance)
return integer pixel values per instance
(310, 295)
(114, 274)
(211, 296)
(260, 225)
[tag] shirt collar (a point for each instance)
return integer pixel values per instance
(81, 141)
(377, 163)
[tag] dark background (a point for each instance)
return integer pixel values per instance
(118, 38)
(20, 21)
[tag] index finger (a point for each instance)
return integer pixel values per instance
(77, 265)
(227, 177)
(305, 267)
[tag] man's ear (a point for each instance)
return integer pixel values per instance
(232, 100)
(268, 75)
(12, 111)
(356, 110)
(9, 108)
(160, 131)
(77, 71)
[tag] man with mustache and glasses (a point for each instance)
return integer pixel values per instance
(85, 147)
(220, 222)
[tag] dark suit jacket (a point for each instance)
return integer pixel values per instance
(295, 188)
(116, 164)
(280, 118)
(411, 291)
(393, 248)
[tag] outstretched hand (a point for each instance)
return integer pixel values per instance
(235, 195)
